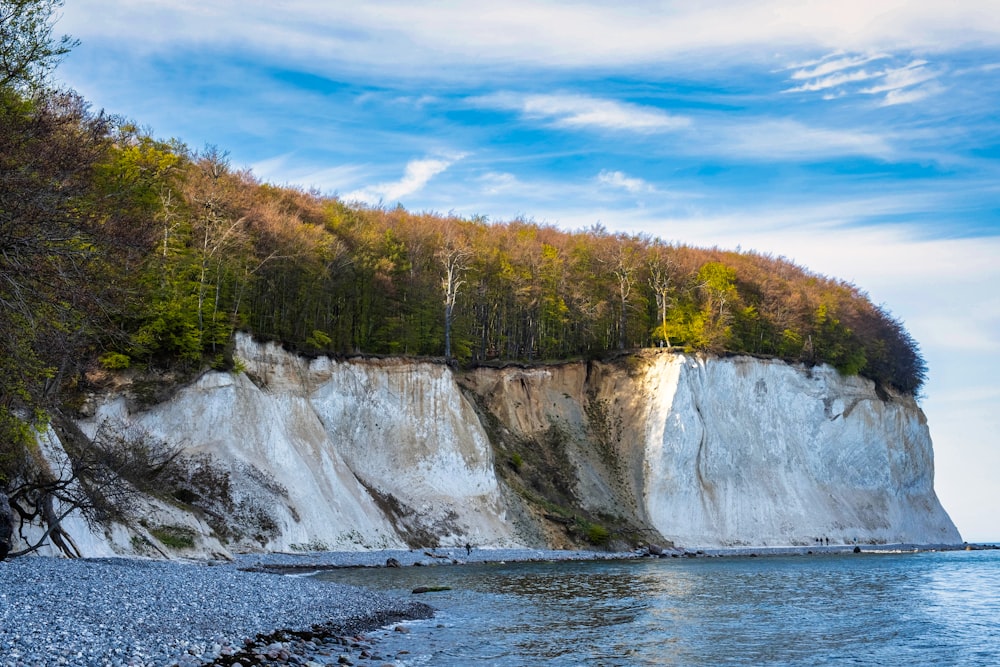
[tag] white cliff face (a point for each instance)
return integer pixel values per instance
(389, 453)
(411, 437)
(335, 455)
(749, 452)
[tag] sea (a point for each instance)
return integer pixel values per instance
(922, 608)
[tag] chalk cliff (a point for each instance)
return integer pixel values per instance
(654, 447)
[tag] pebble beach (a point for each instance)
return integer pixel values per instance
(118, 612)
(129, 612)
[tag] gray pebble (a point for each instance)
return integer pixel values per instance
(132, 612)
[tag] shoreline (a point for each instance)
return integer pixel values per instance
(152, 613)
(304, 563)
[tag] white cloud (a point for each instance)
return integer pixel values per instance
(409, 37)
(789, 139)
(834, 80)
(824, 67)
(618, 179)
(497, 182)
(287, 169)
(583, 111)
(902, 77)
(896, 83)
(909, 96)
(417, 174)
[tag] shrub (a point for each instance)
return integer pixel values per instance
(114, 361)
(174, 537)
(597, 534)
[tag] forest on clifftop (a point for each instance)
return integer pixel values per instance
(118, 249)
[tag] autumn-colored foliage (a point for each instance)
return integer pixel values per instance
(211, 250)
(325, 276)
(117, 249)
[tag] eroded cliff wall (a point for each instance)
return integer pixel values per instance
(655, 447)
(743, 451)
(732, 452)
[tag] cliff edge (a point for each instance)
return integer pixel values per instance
(657, 447)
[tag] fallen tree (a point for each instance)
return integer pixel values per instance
(100, 478)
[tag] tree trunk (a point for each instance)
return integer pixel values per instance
(448, 309)
(59, 537)
(6, 526)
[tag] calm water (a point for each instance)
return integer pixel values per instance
(886, 609)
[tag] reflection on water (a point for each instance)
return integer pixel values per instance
(930, 608)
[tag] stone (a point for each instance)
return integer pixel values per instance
(392, 562)
(430, 589)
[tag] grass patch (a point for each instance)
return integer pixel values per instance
(596, 534)
(174, 537)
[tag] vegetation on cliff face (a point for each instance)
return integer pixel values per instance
(118, 249)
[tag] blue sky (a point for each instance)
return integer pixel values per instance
(859, 138)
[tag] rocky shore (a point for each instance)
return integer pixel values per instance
(135, 612)
(131, 612)
(314, 561)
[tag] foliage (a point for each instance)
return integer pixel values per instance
(174, 537)
(114, 361)
(318, 340)
(120, 250)
(65, 257)
(28, 50)
(596, 534)
(207, 250)
(212, 250)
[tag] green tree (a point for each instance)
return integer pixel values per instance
(56, 290)
(28, 48)
(834, 342)
(717, 284)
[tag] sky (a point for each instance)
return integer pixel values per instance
(858, 138)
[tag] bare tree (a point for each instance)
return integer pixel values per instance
(6, 525)
(661, 282)
(624, 266)
(101, 478)
(455, 259)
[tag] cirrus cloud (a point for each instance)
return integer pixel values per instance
(416, 176)
(583, 111)
(618, 179)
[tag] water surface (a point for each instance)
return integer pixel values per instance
(851, 609)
